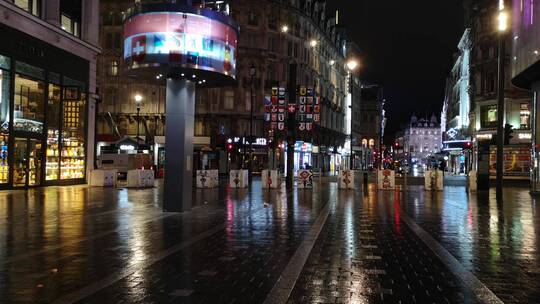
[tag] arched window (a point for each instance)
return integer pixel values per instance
(371, 143)
(364, 143)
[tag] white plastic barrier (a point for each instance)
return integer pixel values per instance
(305, 179)
(346, 179)
(434, 180)
(103, 178)
(239, 179)
(140, 178)
(386, 179)
(473, 180)
(270, 179)
(207, 179)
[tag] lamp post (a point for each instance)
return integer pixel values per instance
(252, 73)
(502, 26)
(138, 100)
(352, 64)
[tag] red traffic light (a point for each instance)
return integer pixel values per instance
(229, 147)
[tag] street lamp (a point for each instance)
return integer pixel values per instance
(502, 26)
(138, 99)
(352, 64)
(313, 43)
(284, 29)
(252, 73)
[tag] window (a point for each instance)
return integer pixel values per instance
(5, 82)
(253, 19)
(272, 22)
(52, 168)
(490, 83)
(488, 116)
(371, 143)
(525, 116)
(248, 100)
(109, 40)
(116, 41)
(112, 69)
(73, 130)
(228, 101)
(29, 104)
(70, 16)
(199, 128)
(31, 6)
(364, 143)
(272, 44)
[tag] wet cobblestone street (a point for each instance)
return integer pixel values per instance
(94, 245)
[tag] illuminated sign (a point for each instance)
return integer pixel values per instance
(524, 136)
(484, 136)
(127, 147)
(179, 39)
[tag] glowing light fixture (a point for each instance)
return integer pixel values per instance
(352, 65)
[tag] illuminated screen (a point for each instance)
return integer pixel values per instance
(180, 39)
(526, 34)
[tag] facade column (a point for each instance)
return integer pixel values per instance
(51, 12)
(180, 119)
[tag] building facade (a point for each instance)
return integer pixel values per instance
(484, 88)
(457, 108)
(47, 91)
(471, 100)
(275, 35)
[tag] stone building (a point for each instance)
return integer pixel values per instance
(274, 35)
(420, 141)
(368, 126)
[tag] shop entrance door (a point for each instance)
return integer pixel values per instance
(27, 162)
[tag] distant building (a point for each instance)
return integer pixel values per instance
(420, 141)
(367, 126)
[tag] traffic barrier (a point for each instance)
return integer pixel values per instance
(434, 180)
(386, 179)
(270, 179)
(140, 179)
(207, 179)
(239, 178)
(103, 178)
(473, 180)
(346, 179)
(305, 179)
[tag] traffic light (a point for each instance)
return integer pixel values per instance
(508, 131)
(230, 147)
(468, 145)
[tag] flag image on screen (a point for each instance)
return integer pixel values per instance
(138, 48)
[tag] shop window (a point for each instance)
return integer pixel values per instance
(29, 104)
(52, 167)
(228, 100)
(112, 69)
(4, 100)
(73, 130)
(488, 116)
(525, 116)
(31, 6)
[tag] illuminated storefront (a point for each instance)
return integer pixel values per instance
(42, 114)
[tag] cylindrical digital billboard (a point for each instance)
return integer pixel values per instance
(526, 42)
(190, 40)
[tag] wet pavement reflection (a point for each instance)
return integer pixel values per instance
(496, 241)
(88, 245)
(69, 244)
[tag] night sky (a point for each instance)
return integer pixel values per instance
(407, 47)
